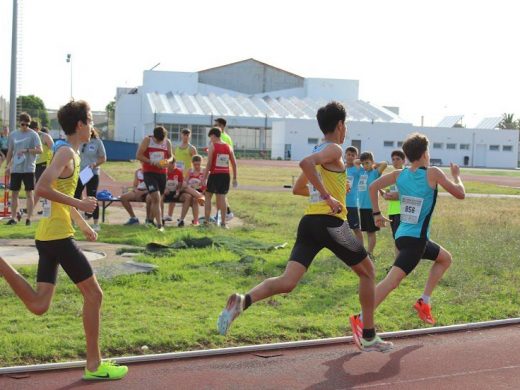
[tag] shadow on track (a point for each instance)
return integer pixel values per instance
(338, 378)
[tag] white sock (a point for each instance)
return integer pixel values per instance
(426, 299)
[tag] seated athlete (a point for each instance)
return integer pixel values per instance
(138, 194)
(194, 181)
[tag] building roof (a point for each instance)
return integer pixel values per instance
(260, 107)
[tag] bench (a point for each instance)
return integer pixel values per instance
(105, 203)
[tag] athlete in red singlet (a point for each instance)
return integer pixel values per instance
(155, 152)
(220, 155)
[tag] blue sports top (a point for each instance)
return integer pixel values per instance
(353, 173)
(417, 203)
(365, 179)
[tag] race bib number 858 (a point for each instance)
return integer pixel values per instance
(411, 209)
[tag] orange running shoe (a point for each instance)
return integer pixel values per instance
(424, 311)
(357, 330)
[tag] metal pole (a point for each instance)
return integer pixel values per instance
(14, 52)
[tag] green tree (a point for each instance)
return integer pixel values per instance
(34, 106)
(508, 122)
(110, 109)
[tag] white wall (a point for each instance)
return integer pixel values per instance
(164, 82)
(278, 140)
(127, 116)
(332, 89)
(373, 136)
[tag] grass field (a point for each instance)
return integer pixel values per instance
(176, 307)
(278, 177)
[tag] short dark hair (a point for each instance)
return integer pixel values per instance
(160, 133)
(221, 121)
(365, 156)
(196, 158)
(352, 149)
(25, 117)
(214, 131)
(399, 153)
(415, 146)
(34, 125)
(186, 131)
(173, 160)
(44, 130)
(328, 116)
(71, 113)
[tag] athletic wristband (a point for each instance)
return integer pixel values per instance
(376, 213)
(325, 197)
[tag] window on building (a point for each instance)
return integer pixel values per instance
(464, 146)
(451, 146)
(388, 144)
(494, 148)
(438, 145)
(507, 148)
(400, 144)
(312, 141)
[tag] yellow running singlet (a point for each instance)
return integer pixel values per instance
(58, 225)
(336, 185)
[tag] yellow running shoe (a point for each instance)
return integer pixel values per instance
(106, 371)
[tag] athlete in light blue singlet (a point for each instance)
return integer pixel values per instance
(417, 186)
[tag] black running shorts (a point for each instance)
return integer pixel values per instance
(367, 221)
(412, 250)
(395, 220)
(64, 252)
(15, 183)
(218, 183)
(316, 232)
(39, 170)
(170, 198)
(155, 182)
(353, 217)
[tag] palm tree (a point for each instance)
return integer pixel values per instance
(508, 122)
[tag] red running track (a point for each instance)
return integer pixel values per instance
(480, 359)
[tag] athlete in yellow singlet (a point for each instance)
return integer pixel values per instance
(324, 225)
(55, 240)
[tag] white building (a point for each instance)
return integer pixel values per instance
(467, 147)
(270, 110)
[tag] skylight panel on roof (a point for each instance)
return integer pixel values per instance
(450, 121)
(489, 123)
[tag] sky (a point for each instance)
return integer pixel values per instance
(430, 58)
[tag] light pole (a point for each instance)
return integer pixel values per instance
(69, 60)
(14, 51)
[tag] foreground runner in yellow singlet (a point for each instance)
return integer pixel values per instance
(55, 240)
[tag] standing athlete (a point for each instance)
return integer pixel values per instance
(353, 172)
(322, 226)
(221, 123)
(392, 195)
(55, 240)
(417, 186)
(155, 152)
